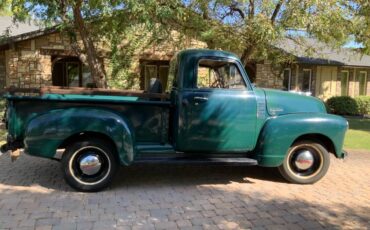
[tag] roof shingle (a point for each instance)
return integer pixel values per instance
(311, 51)
(11, 29)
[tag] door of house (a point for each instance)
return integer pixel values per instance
(71, 72)
(326, 81)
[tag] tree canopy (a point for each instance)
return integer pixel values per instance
(246, 27)
(249, 28)
(5, 8)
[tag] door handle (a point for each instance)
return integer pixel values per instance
(185, 102)
(200, 99)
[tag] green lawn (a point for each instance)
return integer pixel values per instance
(358, 135)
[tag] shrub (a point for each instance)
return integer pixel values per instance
(2, 106)
(363, 103)
(343, 105)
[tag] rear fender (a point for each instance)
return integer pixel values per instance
(45, 133)
(280, 132)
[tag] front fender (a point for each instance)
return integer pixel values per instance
(280, 132)
(45, 133)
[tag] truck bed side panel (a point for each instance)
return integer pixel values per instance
(148, 120)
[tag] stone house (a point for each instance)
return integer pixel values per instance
(323, 73)
(32, 57)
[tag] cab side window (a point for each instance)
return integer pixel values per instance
(219, 74)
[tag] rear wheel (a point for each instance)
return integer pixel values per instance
(89, 165)
(305, 163)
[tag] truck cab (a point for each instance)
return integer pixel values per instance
(216, 105)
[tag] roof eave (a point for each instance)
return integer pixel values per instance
(26, 36)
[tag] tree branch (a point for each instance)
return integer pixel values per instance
(276, 11)
(251, 9)
(234, 8)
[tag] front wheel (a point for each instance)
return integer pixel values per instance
(305, 163)
(89, 165)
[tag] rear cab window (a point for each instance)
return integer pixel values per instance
(218, 74)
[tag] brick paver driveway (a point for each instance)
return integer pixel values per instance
(34, 195)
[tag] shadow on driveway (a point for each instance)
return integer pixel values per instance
(32, 191)
(27, 171)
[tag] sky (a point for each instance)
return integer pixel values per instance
(352, 44)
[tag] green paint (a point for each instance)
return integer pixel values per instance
(280, 132)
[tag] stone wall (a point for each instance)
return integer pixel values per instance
(28, 62)
(267, 76)
(28, 69)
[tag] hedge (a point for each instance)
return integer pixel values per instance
(345, 105)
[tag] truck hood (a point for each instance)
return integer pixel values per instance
(282, 102)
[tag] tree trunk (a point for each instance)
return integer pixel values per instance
(249, 64)
(96, 67)
(247, 54)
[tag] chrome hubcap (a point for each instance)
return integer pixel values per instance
(90, 164)
(304, 160)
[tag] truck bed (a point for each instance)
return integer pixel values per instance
(149, 118)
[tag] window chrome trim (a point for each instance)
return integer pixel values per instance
(289, 78)
(347, 89)
(365, 85)
(310, 79)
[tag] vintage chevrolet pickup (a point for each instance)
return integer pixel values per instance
(211, 114)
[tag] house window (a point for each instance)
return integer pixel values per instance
(219, 74)
(306, 81)
(287, 75)
(73, 74)
(153, 71)
(70, 72)
(344, 75)
(362, 80)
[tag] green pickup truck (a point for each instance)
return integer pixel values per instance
(212, 115)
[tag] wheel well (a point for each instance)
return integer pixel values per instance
(326, 142)
(88, 135)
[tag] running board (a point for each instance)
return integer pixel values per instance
(196, 161)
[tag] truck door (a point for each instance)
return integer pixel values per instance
(222, 109)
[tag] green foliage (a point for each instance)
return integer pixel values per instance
(363, 103)
(363, 22)
(249, 28)
(5, 8)
(345, 105)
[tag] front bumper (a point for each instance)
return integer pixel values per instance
(12, 147)
(4, 149)
(344, 154)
